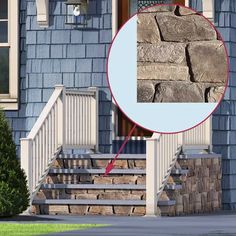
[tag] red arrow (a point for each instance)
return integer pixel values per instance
(110, 166)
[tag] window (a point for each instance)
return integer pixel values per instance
(9, 54)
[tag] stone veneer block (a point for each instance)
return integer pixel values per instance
(146, 91)
(183, 11)
(123, 210)
(178, 92)
(78, 210)
(208, 61)
(101, 210)
(147, 30)
(215, 93)
(163, 52)
(185, 28)
(162, 72)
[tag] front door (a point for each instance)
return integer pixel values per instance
(126, 8)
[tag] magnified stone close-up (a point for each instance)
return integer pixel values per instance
(180, 57)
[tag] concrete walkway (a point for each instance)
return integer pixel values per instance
(206, 225)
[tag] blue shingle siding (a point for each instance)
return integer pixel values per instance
(196, 5)
(62, 54)
(224, 129)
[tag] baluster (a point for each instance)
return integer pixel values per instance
(53, 131)
(46, 141)
(33, 163)
(49, 136)
(74, 120)
(86, 120)
(56, 126)
(40, 154)
(80, 119)
(43, 146)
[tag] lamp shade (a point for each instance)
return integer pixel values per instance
(76, 12)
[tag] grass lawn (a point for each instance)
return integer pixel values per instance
(15, 229)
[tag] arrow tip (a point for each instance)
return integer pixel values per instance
(109, 167)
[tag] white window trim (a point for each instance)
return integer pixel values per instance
(10, 101)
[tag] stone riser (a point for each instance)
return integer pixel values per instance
(98, 210)
(95, 179)
(99, 164)
(178, 210)
(92, 194)
(89, 210)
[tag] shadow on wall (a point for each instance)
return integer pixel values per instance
(58, 7)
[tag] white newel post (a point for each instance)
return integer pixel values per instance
(61, 116)
(95, 126)
(26, 160)
(151, 177)
(181, 139)
(208, 124)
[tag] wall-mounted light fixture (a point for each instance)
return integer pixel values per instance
(77, 12)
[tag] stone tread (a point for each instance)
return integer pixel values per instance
(94, 186)
(106, 186)
(195, 147)
(99, 202)
(102, 156)
(97, 171)
(114, 171)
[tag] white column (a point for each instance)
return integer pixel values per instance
(61, 115)
(26, 160)
(95, 124)
(208, 124)
(114, 17)
(151, 178)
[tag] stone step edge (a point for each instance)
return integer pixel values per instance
(102, 156)
(99, 202)
(195, 147)
(106, 186)
(199, 156)
(114, 171)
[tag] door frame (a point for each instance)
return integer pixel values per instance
(115, 121)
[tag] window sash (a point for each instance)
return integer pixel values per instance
(10, 101)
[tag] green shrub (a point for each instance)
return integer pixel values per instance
(14, 194)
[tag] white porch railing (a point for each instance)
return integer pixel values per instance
(69, 119)
(162, 153)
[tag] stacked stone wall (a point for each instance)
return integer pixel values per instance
(180, 57)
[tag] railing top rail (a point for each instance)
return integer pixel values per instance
(80, 92)
(155, 136)
(44, 114)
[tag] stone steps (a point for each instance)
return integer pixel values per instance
(76, 185)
